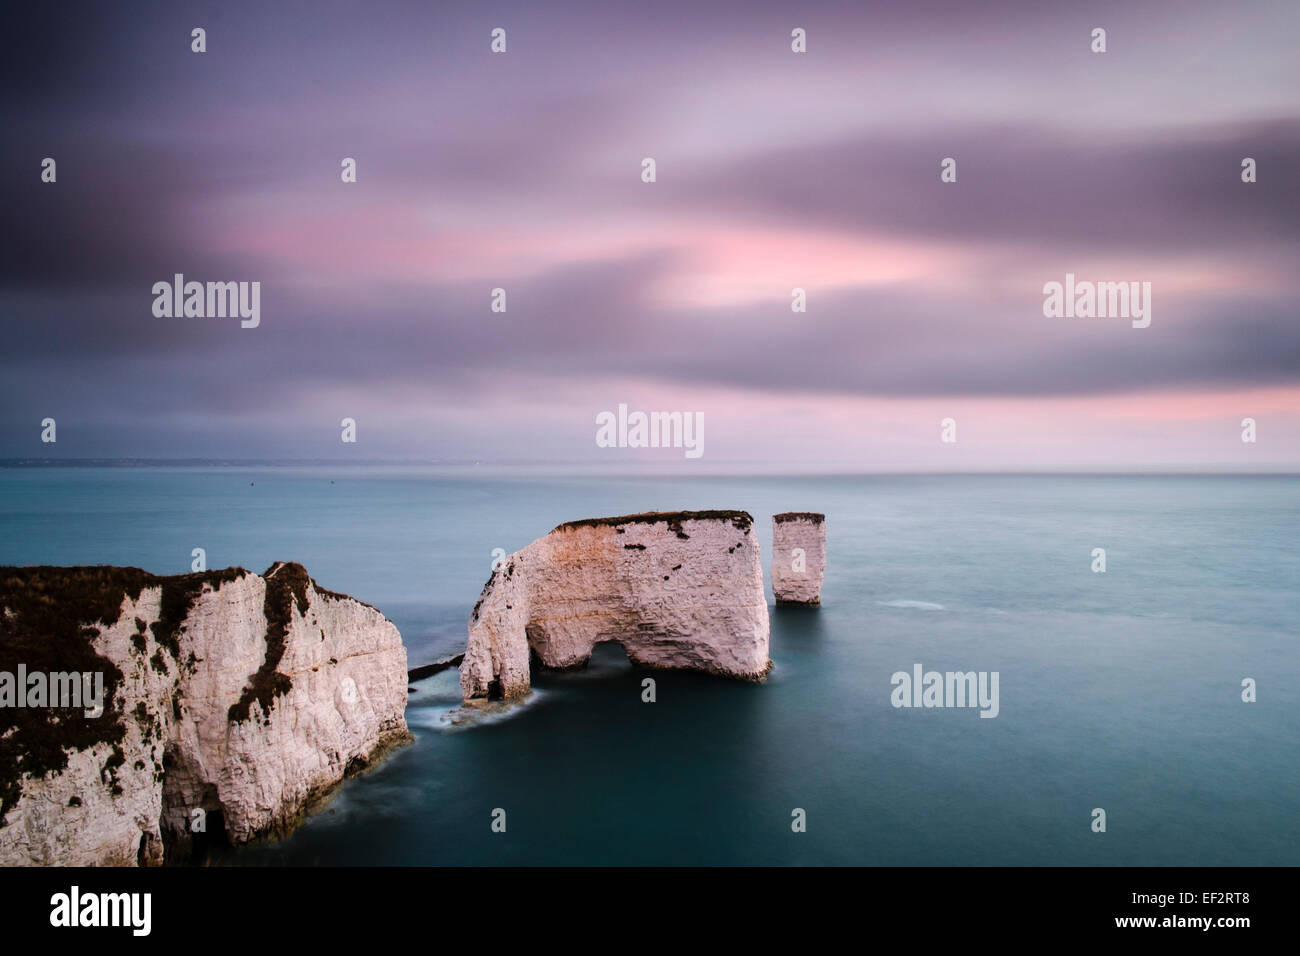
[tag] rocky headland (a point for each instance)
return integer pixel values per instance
(231, 702)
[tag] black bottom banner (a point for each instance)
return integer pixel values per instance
(328, 905)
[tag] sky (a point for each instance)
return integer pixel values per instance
(774, 170)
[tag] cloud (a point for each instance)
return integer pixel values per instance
(522, 172)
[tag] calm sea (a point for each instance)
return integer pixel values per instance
(1119, 691)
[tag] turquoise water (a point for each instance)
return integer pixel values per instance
(1119, 690)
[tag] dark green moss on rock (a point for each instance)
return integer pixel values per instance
(787, 516)
(741, 520)
(482, 595)
(49, 618)
(286, 587)
(335, 595)
(108, 772)
(179, 593)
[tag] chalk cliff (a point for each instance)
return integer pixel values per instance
(231, 702)
(677, 589)
(798, 557)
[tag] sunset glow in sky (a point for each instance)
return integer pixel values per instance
(775, 170)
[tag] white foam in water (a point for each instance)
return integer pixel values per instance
(436, 704)
(917, 605)
(457, 718)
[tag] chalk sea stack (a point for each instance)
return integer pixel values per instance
(232, 701)
(798, 557)
(681, 589)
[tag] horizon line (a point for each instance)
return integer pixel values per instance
(739, 469)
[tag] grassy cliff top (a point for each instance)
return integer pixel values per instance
(812, 516)
(49, 620)
(740, 519)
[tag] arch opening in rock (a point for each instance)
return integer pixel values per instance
(679, 590)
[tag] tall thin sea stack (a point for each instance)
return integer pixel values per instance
(798, 557)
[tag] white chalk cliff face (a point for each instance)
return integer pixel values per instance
(798, 557)
(238, 696)
(675, 589)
